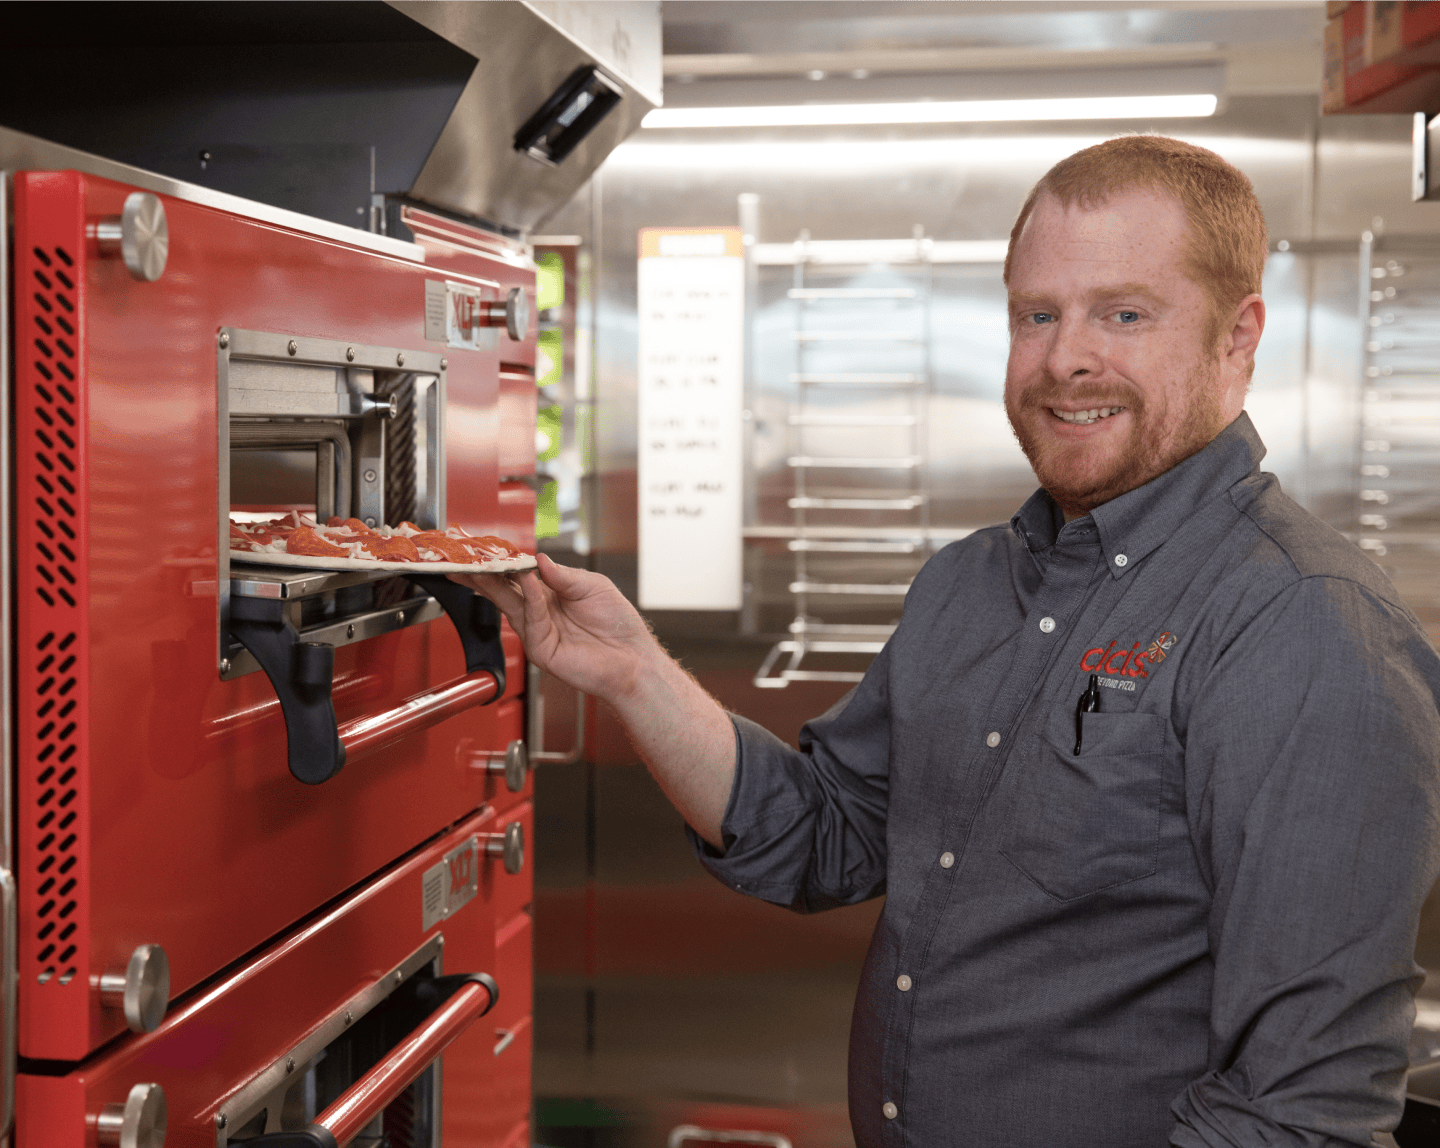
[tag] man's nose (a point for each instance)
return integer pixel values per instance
(1074, 351)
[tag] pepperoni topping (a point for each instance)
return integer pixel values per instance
(303, 540)
(450, 547)
(396, 549)
(350, 524)
(351, 538)
(492, 544)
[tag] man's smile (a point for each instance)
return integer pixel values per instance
(1085, 418)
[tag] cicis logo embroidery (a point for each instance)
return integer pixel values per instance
(1116, 659)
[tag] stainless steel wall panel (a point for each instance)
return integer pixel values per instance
(1319, 182)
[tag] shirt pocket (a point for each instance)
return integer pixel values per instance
(1090, 821)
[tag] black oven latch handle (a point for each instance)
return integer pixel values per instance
(302, 673)
(477, 621)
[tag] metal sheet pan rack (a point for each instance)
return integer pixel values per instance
(857, 447)
(1397, 454)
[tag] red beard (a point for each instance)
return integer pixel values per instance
(1084, 474)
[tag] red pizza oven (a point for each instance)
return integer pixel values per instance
(266, 854)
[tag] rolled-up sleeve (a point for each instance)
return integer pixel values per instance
(1312, 763)
(806, 829)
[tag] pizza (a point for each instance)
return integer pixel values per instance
(349, 544)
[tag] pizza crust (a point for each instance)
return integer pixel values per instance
(316, 562)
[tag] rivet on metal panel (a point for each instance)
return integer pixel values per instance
(440, 941)
(224, 665)
(224, 338)
(444, 364)
(370, 520)
(400, 360)
(349, 354)
(289, 1064)
(399, 615)
(292, 346)
(219, 1120)
(369, 476)
(350, 630)
(349, 1017)
(399, 977)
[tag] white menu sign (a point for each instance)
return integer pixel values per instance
(692, 317)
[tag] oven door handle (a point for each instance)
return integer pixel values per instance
(365, 735)
(302, 674)
(368, 1096)
(477, 622)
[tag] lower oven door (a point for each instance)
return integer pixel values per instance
(334, 1032)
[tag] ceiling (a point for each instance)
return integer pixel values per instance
(1266, 47)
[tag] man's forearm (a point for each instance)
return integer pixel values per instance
(685, 739)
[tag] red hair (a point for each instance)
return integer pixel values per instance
(1227, 245)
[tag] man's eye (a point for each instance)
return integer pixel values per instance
(1127, 316)
(1042, 317)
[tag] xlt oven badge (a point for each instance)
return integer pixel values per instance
(448, 884)
(454, 316)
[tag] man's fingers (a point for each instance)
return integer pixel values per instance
(499, 589)
(567, 581)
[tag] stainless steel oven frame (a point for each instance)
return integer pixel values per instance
(277, 390)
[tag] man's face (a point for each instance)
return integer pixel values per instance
(1115, 371)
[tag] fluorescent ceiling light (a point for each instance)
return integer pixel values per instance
(936, 112)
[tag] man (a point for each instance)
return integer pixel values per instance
(1148, 776)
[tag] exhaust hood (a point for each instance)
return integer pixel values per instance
(542, 68)
(497, 111)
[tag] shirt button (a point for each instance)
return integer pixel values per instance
(890, 1110)
(903, 983)
(992, 739)
(1120, 560)
(1047, 625)
(946, 860)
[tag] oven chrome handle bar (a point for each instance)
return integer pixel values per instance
(376, 731)
(368, 1097)
(303, 672)
(690, 1133)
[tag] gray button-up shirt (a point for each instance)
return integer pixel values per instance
(1196, 930)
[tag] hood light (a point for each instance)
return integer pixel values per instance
(937, 112)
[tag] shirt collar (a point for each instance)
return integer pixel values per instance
(1138, 521)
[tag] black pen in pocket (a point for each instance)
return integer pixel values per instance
(1089, 703)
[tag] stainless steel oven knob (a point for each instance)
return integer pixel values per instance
(509, 845)
(142, 990)
(514, 763)
(138, 1123)
(140, 235)
(514, 313)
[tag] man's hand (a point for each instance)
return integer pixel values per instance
(578, 627)
(575, 625)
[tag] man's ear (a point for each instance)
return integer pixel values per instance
(1247, 323)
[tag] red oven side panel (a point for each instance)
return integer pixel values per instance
(52, 596)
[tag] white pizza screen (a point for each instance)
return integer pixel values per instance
(350, 538)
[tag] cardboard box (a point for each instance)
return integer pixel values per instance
(1419, 23)
(1403, 33)
(1382, 30)
(1365, 80)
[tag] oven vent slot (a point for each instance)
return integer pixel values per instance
(55, 810)
(51, 641)
(56, 431)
